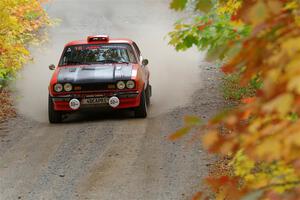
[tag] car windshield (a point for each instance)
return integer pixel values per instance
(96, 54)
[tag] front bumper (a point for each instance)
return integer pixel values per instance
(127, 100)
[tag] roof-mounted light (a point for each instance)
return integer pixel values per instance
(98, 38)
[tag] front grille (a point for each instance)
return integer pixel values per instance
(93, 87)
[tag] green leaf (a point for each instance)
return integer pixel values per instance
(178, 4)
(32, 15)
(220, 116)
(192, 120)
(293, 117)
(204, 5)
(180, 133)
(190, 40)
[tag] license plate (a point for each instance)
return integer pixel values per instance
(98, 100)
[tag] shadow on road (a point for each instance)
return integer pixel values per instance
(93, 116)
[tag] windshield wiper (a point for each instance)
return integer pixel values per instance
(123, 62)
(113, 61)
(86, 63)
(107, 61)
(75, 63)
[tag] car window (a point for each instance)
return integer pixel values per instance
(137, 49)
(97, 53)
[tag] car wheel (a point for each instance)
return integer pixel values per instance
(148, 95)
(141, 111)
(54, 116)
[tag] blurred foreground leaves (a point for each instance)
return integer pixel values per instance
(260, 41)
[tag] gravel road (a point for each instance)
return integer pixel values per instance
(109, 156)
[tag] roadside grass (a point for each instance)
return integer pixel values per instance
(233, 91)
(7, 109)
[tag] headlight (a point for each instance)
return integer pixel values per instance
(68, 87)
(58, 87)
(121, 85)
(130, 84)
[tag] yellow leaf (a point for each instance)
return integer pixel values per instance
(281, 104)
(230, 7)
(178, 26)
(275, 6)
(294, 84)
(293, 138)
(269, 149)
(291, 46)
(291, 5)
(257, 13)
(292, 68)
(221, 195)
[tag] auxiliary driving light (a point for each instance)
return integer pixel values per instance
(74, 104)
(114, 101)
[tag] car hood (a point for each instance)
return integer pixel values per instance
(95, 73)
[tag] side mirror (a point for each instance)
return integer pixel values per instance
(52, 67)
(145, 62)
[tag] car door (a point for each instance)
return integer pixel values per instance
(145, 69)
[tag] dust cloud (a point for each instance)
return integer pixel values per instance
(174, 76)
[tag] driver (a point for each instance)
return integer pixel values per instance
(108, 54)
(113, 55)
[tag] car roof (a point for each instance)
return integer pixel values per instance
(110, 41)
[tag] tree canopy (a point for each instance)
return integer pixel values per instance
(19, 22)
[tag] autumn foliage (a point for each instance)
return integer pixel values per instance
(262, 134)
(19, 22)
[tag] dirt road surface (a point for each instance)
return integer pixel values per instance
(109, 156)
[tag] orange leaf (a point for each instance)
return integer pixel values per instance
(231, 120)
(217, 182)
(227, 69)
(200, 28)
(248, 100)
(197, 196)
(245, 115)
(210, 139)
(234, 18)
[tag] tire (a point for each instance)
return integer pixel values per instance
(141, 111)
(54, 116)
(148, 95)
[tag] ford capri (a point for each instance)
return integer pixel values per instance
(99, 73)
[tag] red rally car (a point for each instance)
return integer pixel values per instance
(99, 72)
